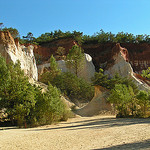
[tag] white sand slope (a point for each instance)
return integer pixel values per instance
(97, 105)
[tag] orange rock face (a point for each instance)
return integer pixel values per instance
(5, 37)
(137, 54)
(45, 50)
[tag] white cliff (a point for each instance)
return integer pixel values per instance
(87, 71)
(123, 68)
(12, 51)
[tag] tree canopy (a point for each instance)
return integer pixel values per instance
(75, 59)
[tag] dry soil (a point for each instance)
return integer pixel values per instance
(82, 133)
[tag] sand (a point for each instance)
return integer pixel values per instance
(82, 133)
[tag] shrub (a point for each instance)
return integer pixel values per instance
(17, 94)
(23, 103)
(144, 103)
(49, 107)
(74, 87)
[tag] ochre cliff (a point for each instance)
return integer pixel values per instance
(137, 54)
(45, 50)
(11, 50)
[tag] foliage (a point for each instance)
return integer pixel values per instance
(61, 52)
(122, 96)
(109, 83)
(74, 87)
(14, 32)
(144, 102)
(24, 103)
(17, 96)
(49, 107)
(98, 37)
(75, 59)
(100, 79)
(146, 73)
(29, 37)
(52, 73)
(129, 101)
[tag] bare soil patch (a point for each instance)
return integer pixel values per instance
(84, 133)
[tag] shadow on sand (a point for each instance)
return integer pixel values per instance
(144, 145)
(98, 123)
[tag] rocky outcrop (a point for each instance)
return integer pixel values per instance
(138, 54)
(121, 66)
(45, 50)
(120, 63)
(98, 105)
(11, 50)
(87, 71)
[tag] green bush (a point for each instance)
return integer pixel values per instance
(144, 103)
(25, 104)
(17, 94)
(49, 107)
(122, 97)
(74, 87)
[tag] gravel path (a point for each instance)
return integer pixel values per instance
(85, 133)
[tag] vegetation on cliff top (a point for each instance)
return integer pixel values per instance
(98, 37)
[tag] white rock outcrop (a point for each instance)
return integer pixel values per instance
(123, 68)
(12, 51)
(87, 71)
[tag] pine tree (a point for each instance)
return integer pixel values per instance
(75, 59)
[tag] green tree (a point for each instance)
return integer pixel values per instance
(14, 32)
(100, 79)
(17, 95)
(121, 97)
(50, 108)
(146, 73)
(74, 87)
(29, 37)
(144, 101)
(4, 81)
(52, 73)
(61, 51)
(75, 59)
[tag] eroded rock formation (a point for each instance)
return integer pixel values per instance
(121, 66)
(138, 54)
(45, 50)
(86, 72)
(98, 105)
(11, 50)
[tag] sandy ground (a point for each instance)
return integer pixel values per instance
(86, 133)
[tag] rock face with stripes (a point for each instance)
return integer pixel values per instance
(11, 50)
(121, 66)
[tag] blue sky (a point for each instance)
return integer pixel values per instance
(88, 16)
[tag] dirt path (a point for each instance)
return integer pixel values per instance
(88, 133)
